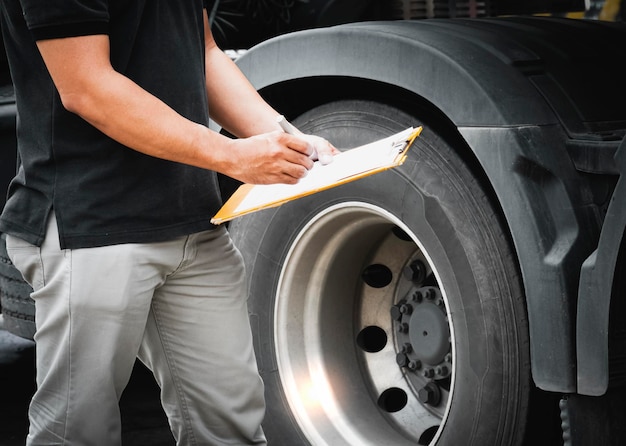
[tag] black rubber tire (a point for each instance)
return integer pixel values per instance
(18, 309)
(442, 205)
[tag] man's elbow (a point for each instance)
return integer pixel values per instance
(79, 104)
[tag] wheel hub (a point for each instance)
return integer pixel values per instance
(423, 333)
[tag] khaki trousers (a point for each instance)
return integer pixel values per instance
(180, 306)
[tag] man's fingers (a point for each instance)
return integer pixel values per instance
(297, 144)
(298, 159)
(296, 171)
(291, 174)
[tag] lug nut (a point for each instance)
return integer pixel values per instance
(415, 271)
(402, 359)
(396, 314)
(429, 394)
(403, 327)
(406, 348)
(428, 373)
(415, 365)
(406, 309)
(417, 296)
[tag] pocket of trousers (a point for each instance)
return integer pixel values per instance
(27, 259)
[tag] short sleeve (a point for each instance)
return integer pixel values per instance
(49, 19)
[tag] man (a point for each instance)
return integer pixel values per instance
(108, 216)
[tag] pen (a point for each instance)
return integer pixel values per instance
(291, 130)
(286, 125)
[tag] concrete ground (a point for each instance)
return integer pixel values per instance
(143, 420)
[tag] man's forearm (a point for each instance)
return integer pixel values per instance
(233, 101)
(130, 115)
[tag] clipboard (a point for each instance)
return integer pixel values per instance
(347, 166)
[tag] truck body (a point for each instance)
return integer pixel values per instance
(472, 295)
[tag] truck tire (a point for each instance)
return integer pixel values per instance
(388, 310)
(18, 309)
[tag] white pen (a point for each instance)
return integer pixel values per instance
(286, 125)
(291, 130)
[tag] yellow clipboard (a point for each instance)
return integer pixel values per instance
(347, 166)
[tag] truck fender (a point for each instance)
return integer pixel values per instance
(596, 289)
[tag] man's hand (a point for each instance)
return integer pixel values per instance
(275, 157)
(268, 158)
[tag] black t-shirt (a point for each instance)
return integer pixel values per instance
(102, 192)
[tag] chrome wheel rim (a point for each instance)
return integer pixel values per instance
(364, 343)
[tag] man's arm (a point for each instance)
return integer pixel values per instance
(89, 86)
(235, 104)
